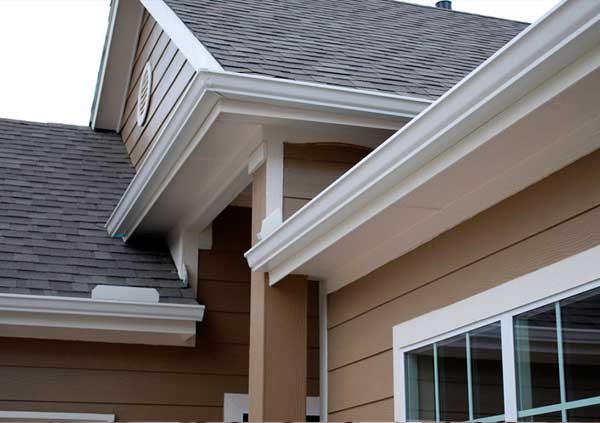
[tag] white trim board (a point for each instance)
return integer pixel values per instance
(193, 50)
(505, 89)
(41, 416)
(86, 319)
(117, 61)
(575, 274)
(236, 405)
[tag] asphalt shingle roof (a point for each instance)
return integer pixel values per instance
(382, 45)
(58, 186)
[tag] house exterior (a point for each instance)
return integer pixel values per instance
(311, 210)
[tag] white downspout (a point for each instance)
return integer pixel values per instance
(323, 385)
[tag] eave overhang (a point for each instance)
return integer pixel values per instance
(212, 94)
(83, 319)
(444, 166)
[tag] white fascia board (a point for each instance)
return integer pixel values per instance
(268, 90)
(116, 64)
(193, 50)
(42, 416)
(539, 52)
(98, 320)
(200, 107)
(103, 62)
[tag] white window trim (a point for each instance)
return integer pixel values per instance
(35, 416)
(235, 405)
(568, 277)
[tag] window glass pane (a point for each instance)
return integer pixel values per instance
(420, 388)
(548, 417)
(453, 387)
(537, 358)
(584, 414)
(486, 370)
(580, 318)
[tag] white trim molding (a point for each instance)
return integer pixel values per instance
(236, 405)
(116, 64)
(87, 319)
(538, 65)
(571, 276)
(193, 50)
(47, 417)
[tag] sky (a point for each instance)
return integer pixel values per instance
(519, 10)
(51, 52)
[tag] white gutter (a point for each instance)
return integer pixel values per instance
(98, 320)
(265, 89)
(199, 106)
(382, 178)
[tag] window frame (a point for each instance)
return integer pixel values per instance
(569, 277)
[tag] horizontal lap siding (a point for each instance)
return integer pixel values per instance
(549, 221)
(310, 168)
(171, 75)
(135, 382)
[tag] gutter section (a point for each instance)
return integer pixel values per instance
(83, 319)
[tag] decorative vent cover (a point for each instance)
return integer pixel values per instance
(143, 100)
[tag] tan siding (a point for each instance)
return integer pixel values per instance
(101, 386)
(376, 382)
(158, 72)
(547, 222)
(212, 358)
(379, 411)
(310, 168)
(170, 77)
(160, 109)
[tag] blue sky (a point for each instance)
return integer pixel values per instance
(51, 52)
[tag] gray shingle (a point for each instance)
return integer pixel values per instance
(424, 51)
(58, 186)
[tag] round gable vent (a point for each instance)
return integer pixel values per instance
(143, 100)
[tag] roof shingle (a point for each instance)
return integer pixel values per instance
(58, 186)
(383, 45)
